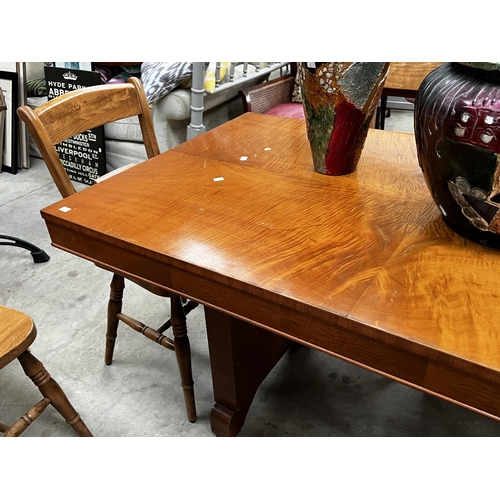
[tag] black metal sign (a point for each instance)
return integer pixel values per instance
(84, 155)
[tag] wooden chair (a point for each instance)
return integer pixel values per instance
(17, 333)
(403, 80)
(73, 113)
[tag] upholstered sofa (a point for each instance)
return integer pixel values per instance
(185, 100)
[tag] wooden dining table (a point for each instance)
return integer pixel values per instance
(361, 267)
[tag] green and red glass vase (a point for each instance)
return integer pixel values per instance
(339, 101)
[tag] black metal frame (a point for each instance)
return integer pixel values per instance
(37, 253)
(11, 115)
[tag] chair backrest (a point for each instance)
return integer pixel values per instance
(264, 96)
(83, 109)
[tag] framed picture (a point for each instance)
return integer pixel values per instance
(9, 86)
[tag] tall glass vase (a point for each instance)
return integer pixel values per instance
(339, 101)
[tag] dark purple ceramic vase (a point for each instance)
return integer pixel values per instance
(457, 131)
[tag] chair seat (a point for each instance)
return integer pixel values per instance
(17, 333)
(288, 110)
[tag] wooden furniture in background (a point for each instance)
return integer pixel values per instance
(17, 333)
(361, 267)
(264, 96)
(75, 112)
(274, 97)
(403, 80)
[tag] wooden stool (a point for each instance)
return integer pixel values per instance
(17, 333)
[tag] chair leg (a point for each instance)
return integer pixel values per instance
(50, 389)
(183, 354)
(114, 307)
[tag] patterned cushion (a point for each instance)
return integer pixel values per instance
(121, 77)
(106, 72)
(288, 110)
(297, 94)
(36, 88)
(159, 78)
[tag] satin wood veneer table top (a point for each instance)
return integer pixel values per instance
(359, 266)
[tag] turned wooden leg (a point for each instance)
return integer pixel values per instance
(50, 389)
(183, 354)
(114, 307)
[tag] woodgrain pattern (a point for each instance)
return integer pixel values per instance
(408, 75)
(360, 266)
(403, 80)
(443, 287)
(280, 232)
(17, 333)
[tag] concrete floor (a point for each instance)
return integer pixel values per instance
(307, 394)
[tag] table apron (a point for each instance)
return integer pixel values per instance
(413, 364)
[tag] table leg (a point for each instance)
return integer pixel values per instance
(241, 357)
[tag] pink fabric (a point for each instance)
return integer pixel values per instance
(288, 110)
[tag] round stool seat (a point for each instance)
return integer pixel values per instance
(17, 333)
